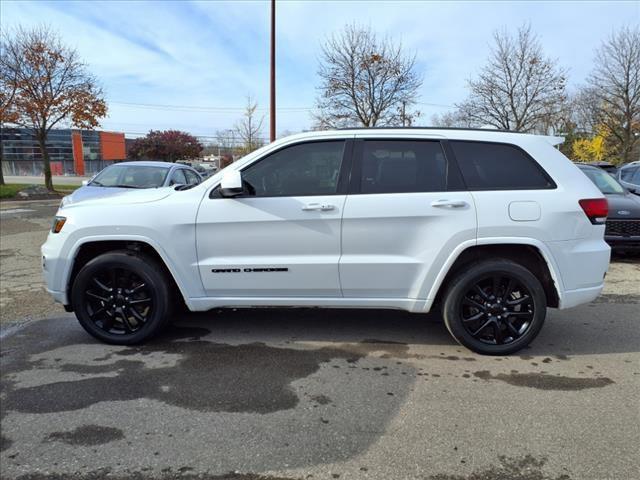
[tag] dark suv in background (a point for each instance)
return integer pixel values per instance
(623, 223)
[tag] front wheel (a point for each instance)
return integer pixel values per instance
(495, 307)
(121, 298)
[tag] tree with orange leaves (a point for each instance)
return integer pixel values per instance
(50, 85)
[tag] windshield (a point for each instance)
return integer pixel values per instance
(131, 176)
(605, 182)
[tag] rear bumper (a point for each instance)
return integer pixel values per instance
(582, 264)
(573, 298)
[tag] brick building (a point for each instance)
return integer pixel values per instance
(71, 152)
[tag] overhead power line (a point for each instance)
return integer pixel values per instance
(221, 109)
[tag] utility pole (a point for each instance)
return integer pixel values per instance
(272, 107)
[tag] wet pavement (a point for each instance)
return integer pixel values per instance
(314, 394)
(305, 393)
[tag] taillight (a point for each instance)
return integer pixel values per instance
(596, 209)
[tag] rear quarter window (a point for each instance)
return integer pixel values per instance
(498, 166)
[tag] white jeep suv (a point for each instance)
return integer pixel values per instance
(491, 227)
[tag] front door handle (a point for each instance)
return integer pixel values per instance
(321, 207)
(449, 203)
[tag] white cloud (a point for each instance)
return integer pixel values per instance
(215, 53)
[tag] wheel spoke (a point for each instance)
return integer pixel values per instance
(497, 333)
(512, 329)
(139, 300)
(475, 317)
(107, 323)
(125, 321)
(495, 285)
(518, 301)
(484, 325)
(96, 312)
(482, 293)
(510, 286)
(137, 315)
(91, 294)
(520, 314)
(472, 302)
(101, 285)
(137, 287)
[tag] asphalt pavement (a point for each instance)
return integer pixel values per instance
(312, 394)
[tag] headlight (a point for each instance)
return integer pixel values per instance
(58, 223)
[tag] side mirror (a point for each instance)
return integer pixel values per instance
(231, 184)
(85, 183)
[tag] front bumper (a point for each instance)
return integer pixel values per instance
(54, 267)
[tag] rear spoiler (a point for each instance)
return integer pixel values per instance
(554, 141)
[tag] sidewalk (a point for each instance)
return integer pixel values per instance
(57, 180)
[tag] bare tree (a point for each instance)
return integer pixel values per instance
(226, 140)
(365, 81)
(614, 86)
(519, 88)
(52, 86)
(7, 111)
(453, 119)
(249, 128)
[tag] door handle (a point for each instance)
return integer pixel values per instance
(449, 203)
(321, 207)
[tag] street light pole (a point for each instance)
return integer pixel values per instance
(272, 109)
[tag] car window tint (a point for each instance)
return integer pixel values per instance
(396, 166)
(636, 177)
(177, 177)
(137, 176)
(630, 174)
(192, 178)
(497, 166)
(305, 169)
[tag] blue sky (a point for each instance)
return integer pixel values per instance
(206, 57)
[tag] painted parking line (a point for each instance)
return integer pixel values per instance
(15, 210)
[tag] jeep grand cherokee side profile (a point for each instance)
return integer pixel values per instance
(490, 227)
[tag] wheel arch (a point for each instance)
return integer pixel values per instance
(89, 249)
(531, 254)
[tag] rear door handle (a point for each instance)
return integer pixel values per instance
(449, 203)
(321, 207)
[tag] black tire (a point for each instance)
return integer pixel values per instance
(494, 317)
(121, 297)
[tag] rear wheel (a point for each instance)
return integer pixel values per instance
(121, 298)
(495, 307)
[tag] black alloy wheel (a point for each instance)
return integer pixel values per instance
(121, 297)
(118, 301)
(497, 309)
(494, 307)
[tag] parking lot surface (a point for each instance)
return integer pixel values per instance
(297, 394)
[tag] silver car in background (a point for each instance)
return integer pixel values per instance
(124, 176)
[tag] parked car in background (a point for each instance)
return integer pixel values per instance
(205, 169)
(622, 230)
(629, 176)
(124, 176)
(610, 168)
(490, 228)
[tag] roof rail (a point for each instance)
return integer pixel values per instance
(431, 128)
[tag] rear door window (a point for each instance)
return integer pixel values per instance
(402, 166)
(498, 166)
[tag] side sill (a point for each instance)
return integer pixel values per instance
(407, 304)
